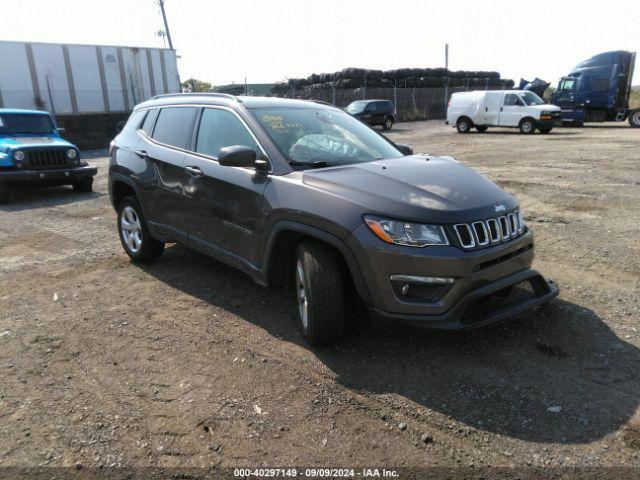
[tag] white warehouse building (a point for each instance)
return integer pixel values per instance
(80, 79)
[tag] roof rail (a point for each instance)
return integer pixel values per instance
(199, 94)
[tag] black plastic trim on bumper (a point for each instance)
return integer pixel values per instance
(555, 122)
(45, 176)
(452, 319)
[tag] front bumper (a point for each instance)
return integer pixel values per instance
(476, 274)
(59, 176)
(550, 123)
(469, 313)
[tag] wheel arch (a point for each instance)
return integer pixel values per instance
(280, 249)
(466, 117)
(523, 119)
(120, 187)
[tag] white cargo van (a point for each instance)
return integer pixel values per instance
(502, 108)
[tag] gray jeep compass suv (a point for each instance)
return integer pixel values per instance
(301, 191)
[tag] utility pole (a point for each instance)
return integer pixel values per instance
(166, 25)
(446, 54)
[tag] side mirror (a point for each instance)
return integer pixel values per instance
(405, 149)
(241, 156)
(61, 130)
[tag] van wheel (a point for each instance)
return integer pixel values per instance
(388, 123)
(481, 129)
(4, 194)
(134, 233)
(463, 125)
(634, 118)
(319, 293)
(527, 126)
(545, 129)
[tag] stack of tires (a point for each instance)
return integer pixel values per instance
(351, 78)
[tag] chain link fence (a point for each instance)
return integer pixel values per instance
(412, 103)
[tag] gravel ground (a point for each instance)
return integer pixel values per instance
(187, 363)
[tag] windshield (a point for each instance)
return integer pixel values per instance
(357, 107)
(25, 123)
(309, 137)
(531, 98)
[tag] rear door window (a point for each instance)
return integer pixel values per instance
(221, 128)
(174, 126)
(149, 121)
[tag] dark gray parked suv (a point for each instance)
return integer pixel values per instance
(295, 190)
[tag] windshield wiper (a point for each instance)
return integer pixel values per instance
(315, 164)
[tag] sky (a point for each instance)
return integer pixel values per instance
(269, 40)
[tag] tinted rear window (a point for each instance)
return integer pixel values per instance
(385, 107)
(175, 126)
(149, 121)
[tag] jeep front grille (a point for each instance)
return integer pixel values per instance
(42, 159)
(491, 231)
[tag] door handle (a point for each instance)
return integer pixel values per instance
(142, 154)
(486, 109)
(502, 109)
(195, 171)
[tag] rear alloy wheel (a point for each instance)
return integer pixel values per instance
(481, 129)
(83, 185)
(545, 129)
(134, 234)
(527, 126)
(634, 119)
(319, 293)
(388, 123)
(463, 125)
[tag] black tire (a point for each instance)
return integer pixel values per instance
(388, 123)
(5, 196)
(545, 129)
(634, 118)
(481, 129)
(319, 286)
(83, 185)
(149, 248)
(464, 125)
(527, 126)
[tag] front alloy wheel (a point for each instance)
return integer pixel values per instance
(319, 292)
(388, 123)
(634, 119)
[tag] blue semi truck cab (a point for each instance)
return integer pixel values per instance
(32, 152)
(598, 90)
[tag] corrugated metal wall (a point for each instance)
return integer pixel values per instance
(68, 79)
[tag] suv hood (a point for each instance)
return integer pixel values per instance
(11, 143)
(417, 187)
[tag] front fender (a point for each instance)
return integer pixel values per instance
(306, 230)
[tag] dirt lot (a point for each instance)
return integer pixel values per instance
(186, 362)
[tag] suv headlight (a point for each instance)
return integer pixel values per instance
(72, 153)
(407, 233)
(19, 155)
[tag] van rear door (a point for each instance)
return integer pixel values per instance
(490, 111)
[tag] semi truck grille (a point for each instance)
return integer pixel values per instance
(491, 231)
(43, 159)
